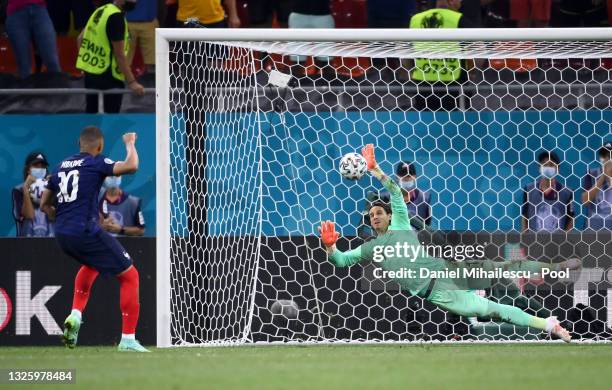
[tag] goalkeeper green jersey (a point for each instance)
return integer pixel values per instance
(396, 250)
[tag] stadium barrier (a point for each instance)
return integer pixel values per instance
(36, 284)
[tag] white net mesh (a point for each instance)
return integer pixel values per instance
(256, 133)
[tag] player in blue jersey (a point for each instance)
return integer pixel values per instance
(76, 183)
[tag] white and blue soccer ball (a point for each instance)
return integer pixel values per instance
(353, 166)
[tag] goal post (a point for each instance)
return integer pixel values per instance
(251, 125)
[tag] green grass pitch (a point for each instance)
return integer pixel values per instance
(419, 366)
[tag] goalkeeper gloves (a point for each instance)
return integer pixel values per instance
(368, 153)
(328, 232)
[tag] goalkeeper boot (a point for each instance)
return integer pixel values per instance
(131, 345)
(72, 324)
(554, 326)
(570, 264)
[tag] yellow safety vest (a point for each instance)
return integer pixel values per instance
(96, 53)
(436, 69)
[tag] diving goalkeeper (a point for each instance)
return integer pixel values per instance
(392, 225)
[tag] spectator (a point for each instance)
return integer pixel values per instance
(120, 212)
(30, 220)
(547, 204)
(62, 12)
(530, 13)
(417, 201)
(263, 13)
(390, 13)
(587, 13)
(472, 10)
(208, 14)
(443, 77)
(310, 14)
(28, 21)
(598, 191)
(104, 45)
(498, 14)
(142, 22)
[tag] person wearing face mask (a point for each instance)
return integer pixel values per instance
(547, 204)
(120, 212)
(417, 201)
(597, 194)
(103, 52)
(29, 218)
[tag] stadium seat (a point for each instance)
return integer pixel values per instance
(351, 67)
(242, 7)
(349, 13)
(519, 65)
(7, 60)
(67, 51)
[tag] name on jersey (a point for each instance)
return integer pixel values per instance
(72, 164)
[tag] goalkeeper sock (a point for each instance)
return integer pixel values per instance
(129, 300)
(82, 286)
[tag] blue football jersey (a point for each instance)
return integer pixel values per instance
(76, 182)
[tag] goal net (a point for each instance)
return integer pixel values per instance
(251, 126)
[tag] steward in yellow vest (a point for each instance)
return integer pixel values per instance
(438, 69)
(103, 49)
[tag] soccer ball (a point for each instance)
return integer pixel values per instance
(286, 308)
(36, 190)
(353, 166)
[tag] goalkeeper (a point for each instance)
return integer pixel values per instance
(452, 294)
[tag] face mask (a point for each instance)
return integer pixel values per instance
(408, 184)
(129, 6)
(38, 173)
(112, 182)
(548, 172)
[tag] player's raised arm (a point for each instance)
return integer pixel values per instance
(130, 164)
(400, 218)
(46, 203)
(329, 236)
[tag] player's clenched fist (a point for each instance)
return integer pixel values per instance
(328, 232)
(368, 153)
(129, 138)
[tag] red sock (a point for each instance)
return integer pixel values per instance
(82, 286)
(129, 300)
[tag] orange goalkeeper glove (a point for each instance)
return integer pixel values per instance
(368, 153)
(328, 232)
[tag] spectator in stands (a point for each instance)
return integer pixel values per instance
(586, 13)
(209, 14)
(547, 204)
(263, 13)
(310, 14)
(104, 45)
(438, 80)
(597, 185)
(30, 220)
(62, 12)
(28, 21)
(498, 14)
(472, 10)
(390, 13)
(142, 22)
(530, 13)
(417, 201)
(120, 212)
